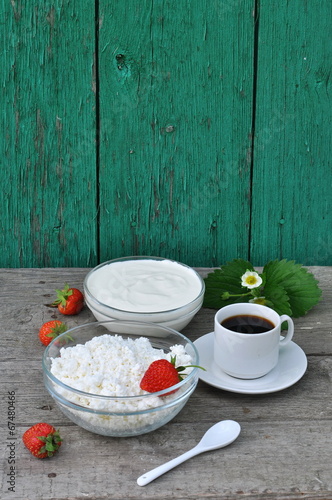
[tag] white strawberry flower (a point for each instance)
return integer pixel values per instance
(251, 279)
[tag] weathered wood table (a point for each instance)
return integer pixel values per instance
(283, 452)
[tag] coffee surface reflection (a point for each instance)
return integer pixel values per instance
(247, 323)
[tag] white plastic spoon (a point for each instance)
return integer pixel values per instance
(219, 435)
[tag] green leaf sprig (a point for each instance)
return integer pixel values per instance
(285, 286)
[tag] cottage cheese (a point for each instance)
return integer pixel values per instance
(110, 365)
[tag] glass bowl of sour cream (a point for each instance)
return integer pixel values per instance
(148, 289)
(93, 372)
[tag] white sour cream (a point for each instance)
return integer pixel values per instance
(145, 285)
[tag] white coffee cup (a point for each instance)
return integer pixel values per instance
(248, 355)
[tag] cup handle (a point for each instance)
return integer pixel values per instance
(290, 330)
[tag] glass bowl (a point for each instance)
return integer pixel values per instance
(121, 289)
(116, 415)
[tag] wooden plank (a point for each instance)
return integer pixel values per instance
(292, 175)
(283, 452)
(48, 134)
(175, 118)
(175, 107)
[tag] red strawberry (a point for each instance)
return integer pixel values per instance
(162, 374)
(42, 440)
(50, 330)
(70, 300)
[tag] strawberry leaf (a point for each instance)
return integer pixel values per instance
(300, 285)
(276, 297)
(224, 281)
(286, 287)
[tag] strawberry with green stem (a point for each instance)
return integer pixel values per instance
(69, 300)
(51, 329)
(162, 374)
(42, 440)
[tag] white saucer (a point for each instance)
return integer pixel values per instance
(291, 367)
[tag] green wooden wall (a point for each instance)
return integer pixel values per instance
(193, 129)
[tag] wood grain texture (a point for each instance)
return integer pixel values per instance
(129, 130)
(175, 104)
(283, 452)
(292, 175)
(48, 195)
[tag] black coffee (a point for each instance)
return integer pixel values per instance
(247, 324)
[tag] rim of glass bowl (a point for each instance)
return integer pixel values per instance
(145, 313)
(67, 387)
